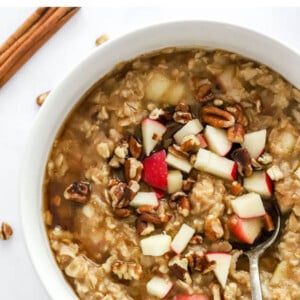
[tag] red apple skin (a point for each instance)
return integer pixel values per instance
(159, 193)
(202, 139)
(234, 172)
(155, 171)
(269, 183)
(235, 226)
(191, 297)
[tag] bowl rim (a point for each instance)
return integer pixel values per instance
(42, 135)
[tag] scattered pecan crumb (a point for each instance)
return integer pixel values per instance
(101, 39)
(6, 231)
(41, 98)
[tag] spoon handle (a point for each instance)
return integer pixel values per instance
(255, 280)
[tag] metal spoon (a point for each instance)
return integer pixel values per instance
(258, 248)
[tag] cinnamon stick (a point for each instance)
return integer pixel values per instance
(28, 43)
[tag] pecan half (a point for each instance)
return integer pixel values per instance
(205, 93)
(216, 117)
(78, 191)
(236, 133)
(133, 169)
(238, 112)
(242, 157)
(135, 148)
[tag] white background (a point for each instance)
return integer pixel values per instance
(44, 71)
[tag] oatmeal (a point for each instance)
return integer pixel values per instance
(167, 163)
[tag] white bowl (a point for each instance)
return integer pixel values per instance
(62, 99)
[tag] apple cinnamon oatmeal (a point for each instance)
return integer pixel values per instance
(167, 163)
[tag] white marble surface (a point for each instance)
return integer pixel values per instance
(18, 109)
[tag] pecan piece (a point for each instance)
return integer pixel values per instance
(179, 268)
(205, 93)
(119, 195)
(182, 117)
(238, 112)
(41, 98)
(236, 188)
(133, 169)
(6, 231)
(190, 143)
(122, 212)
(236, 133)
(184, 206)
(143, 227)
(217, 117)
(213, 228)
(78, 191)
(147, 217)
(188, 185)
(196, 240)
(197, 262)
(242, 157)
(127, 270)
(182, 107)
(135, 148)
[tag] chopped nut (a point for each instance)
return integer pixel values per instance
(182, 117)
(236, 188)
(242, 157)
(182, 107)
(176, 151)
(144, 209)
(101, 39)
(147, 217)
(41, 98)
(265, 158)
(119, 195)
(236, 133)
(103, 150)
(78, 192)
(221, 246)
(205, 93)
(197, 262)
(133, 169)
(238, 112)
(184, 206)
(190, 143)
(213, 228)
(135, 148)
(6, 231)
(144, 228)
(208, 266)
(188, 184)
(196, 240)
(275, 173)
(122, 212)
(156, 113)
(133, 187)
(256, 165)
(179, 268)
(121, 151)
(217, 117)
(115, 162)
(127, 270)
(269, 225)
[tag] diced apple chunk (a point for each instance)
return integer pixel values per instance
(159, 287)
(144, 198)
(217, 140)
(259, 182)
(156, 245)
(157, 85)
(179, 163)
(248, 206)
(182, 238)
(152, 132)
(174, 181)
(221, 270)
(192, 127)
(212, 163)
(255, 142)
(246, 230)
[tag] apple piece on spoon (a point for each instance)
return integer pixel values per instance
(259, 182)
(159, 287)
(223, 261)
(212, 163)
(152, 132)
(246, 230)
(217, 140)
(248, 206)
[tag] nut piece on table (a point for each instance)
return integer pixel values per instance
(78, 191)
(101, 39)
(40, 99)
(6, 231)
